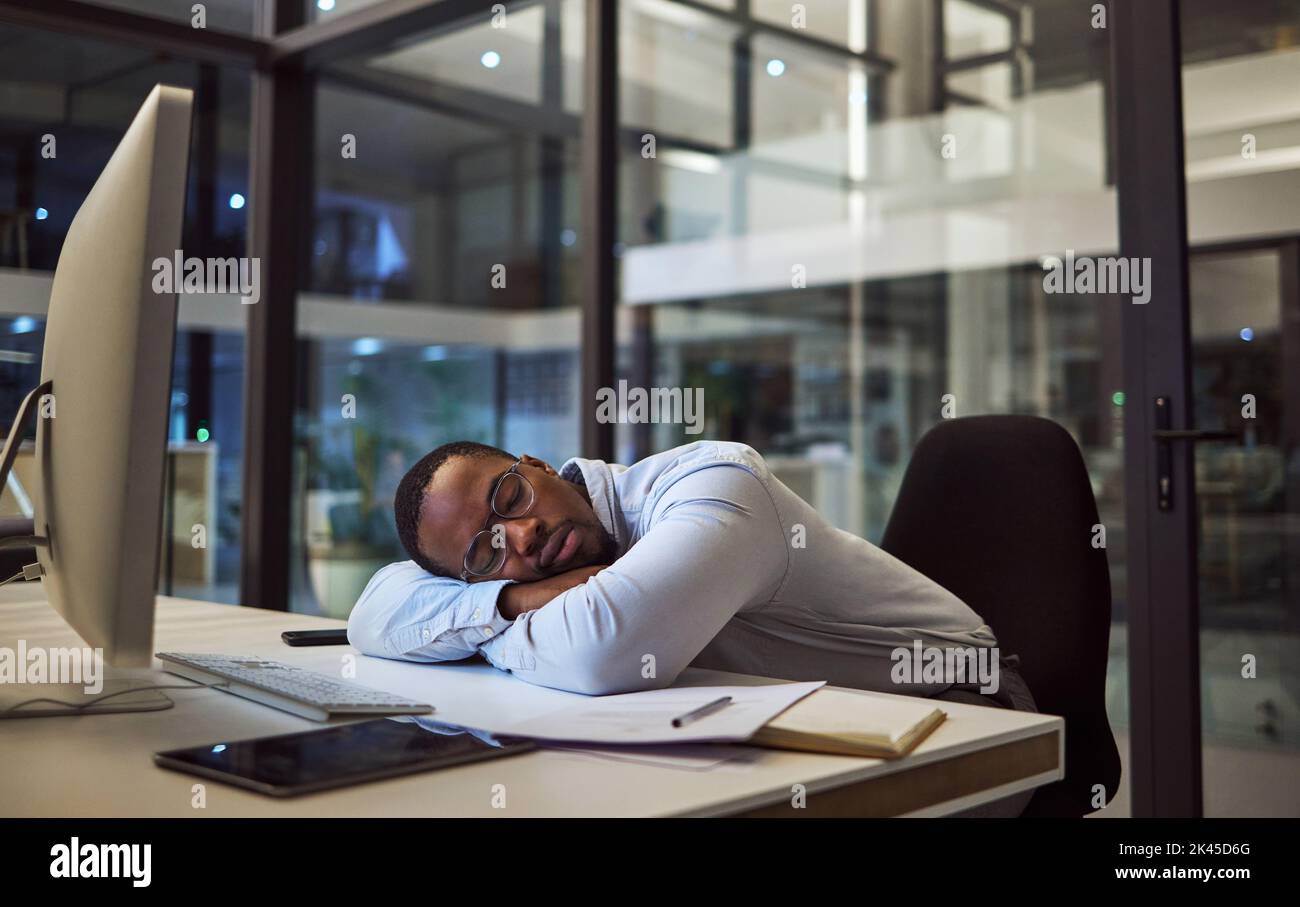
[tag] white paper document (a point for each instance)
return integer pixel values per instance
(648, 717)
(687, 757)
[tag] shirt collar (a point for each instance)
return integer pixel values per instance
(599, 479)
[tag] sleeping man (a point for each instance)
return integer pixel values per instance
(606, 579)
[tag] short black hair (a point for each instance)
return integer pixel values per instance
(409, 500)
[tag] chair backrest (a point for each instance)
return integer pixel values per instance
(999, 510)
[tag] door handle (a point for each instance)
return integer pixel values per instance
(1165, 437)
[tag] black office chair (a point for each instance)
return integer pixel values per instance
(999, 511)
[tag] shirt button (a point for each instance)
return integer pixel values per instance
(475, 614)
(427, 633)
(487, 631)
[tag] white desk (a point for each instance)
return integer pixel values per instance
(102, 765)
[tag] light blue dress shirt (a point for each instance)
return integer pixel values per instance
(720, 566)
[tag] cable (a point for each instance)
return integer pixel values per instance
(81, 706)
(30, 572)
(23, 541)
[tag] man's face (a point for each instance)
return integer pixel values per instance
(561, 532)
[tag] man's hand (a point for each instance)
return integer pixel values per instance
(516, 598)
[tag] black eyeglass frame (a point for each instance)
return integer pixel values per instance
(466, 572)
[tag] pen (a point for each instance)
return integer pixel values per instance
(707, 709)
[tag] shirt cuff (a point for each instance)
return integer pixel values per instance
(479, 610)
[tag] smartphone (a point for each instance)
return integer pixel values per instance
(288, 765)
(315, 637)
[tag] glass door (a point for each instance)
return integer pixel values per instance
(1240, 65)
(1208, 166)
(1243, 316)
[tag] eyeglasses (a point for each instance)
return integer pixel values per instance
(512, 497)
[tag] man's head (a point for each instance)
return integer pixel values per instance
(444, 500)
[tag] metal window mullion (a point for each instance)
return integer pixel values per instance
(1163, 637)
(103, 23)
(280, 143)
(599, 225)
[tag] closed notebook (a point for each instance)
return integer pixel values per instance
(851, 724)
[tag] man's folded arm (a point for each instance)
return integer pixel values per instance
(715, 545)
(406, 612)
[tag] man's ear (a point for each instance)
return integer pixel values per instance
(538, 464)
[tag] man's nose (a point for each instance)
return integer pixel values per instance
(525, 535)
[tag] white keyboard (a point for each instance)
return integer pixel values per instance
(281, 686)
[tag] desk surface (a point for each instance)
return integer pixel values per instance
(102, 765)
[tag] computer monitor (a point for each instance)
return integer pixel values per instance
(102, 407)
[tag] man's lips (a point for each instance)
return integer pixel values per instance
(561, 546)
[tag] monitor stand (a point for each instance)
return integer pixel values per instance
(31, 700)
(33, 697)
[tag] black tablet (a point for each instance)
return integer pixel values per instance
(290, 764)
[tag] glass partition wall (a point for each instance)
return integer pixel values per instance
(440, 300)
(841, 239)
(1242, 149)
(65, 102)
